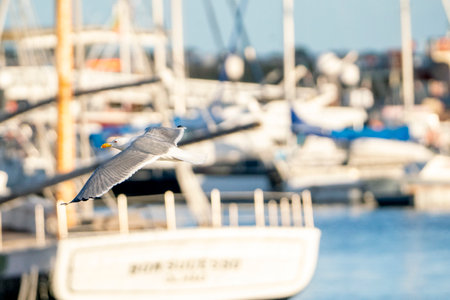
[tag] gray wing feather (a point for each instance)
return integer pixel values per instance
(144, 149)
(164, 134)
(116, 170)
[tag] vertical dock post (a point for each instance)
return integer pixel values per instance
(297, 210)
(122, 207)
(216, 208)
(272, 207)
(39, 219)
(285, 210)
(233, 212)
(259, 208)
(307, 207)
(169, 200)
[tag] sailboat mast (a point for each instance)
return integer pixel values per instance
(178, 56)
(160, 46)
(123, 11)
(79, 46)
(3, 9)
(65, 150)
(289, 50)
(407, 59)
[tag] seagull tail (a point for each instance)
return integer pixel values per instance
(180, 154)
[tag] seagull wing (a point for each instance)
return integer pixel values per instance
(145, 149)
(116, 170)
(163, 141)
(179, 154)
(164, 134)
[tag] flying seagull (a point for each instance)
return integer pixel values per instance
(155, 143)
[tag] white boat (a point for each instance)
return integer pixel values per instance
(430, 186)
(200, 263)
(261, 251)
(218, 262)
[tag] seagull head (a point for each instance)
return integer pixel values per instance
(119, 143)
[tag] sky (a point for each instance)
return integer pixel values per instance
(320, 25)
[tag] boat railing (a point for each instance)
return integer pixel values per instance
(39, 222)
(295, 211)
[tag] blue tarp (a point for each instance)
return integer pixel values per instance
(399, 133)
(396, 133)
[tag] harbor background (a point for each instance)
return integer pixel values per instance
(376, 242)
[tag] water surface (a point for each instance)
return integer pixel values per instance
(393, 253)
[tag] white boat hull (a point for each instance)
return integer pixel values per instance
(205, 263)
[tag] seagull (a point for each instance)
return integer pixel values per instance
(136, 152)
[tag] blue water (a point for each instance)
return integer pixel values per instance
(395, 253)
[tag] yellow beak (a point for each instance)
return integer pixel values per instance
(106, 145)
